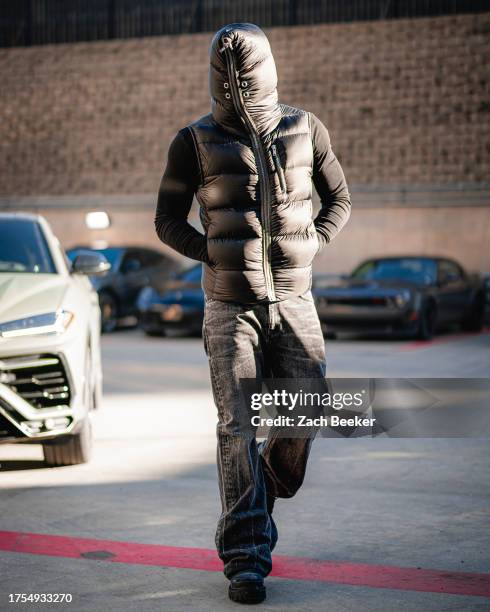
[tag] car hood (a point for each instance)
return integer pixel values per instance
(360, 288)
(24, 295)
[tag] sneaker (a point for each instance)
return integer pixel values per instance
(247, 588)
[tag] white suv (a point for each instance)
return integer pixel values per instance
(50, 365)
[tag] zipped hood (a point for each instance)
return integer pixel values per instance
(255, 78)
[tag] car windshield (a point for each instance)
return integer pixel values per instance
(23, 248)
(420, 271)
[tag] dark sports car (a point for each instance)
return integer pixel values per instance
(132, 269)
(408, 295)
(180, 307)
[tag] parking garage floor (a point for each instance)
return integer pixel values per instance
(380, 524)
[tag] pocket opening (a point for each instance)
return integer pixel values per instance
(279, 169)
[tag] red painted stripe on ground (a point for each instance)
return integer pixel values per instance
(421, 344)
(296, 568)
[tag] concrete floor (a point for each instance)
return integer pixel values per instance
(406, 503)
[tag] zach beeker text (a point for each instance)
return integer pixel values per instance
(303, 421)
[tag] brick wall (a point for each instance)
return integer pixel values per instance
(406, 102)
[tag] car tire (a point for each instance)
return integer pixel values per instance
(475, 319)
(108, 312)
(427, 323)
(72, 449)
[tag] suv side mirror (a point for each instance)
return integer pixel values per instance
(90, 264)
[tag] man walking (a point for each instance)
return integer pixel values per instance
(251, 164)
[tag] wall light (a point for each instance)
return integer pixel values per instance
(97, 220)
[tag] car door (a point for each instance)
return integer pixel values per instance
(453, 291)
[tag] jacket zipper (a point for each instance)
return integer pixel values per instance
(260, 159)
(279, 170)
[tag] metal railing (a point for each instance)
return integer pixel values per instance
(38, 22)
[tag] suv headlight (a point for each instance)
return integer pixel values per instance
(402, 298)
(49, 323)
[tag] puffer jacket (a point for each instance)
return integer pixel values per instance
(255, 159)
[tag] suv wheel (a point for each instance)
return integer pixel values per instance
(76, 448)
(72, 449)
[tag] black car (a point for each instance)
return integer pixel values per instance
(409, 295)
(180, 307)
(132, 269)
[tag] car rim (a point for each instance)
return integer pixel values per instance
(108, 312)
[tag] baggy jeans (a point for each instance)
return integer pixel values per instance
(280, 340)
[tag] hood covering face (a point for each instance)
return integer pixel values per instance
(255, 73)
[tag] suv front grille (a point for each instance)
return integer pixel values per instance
(39, 379)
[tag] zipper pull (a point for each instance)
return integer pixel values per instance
(226, 40)
(273, 156)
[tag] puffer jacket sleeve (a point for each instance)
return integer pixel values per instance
(177, 188)
(330, 184)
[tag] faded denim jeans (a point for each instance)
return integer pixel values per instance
(281, 340)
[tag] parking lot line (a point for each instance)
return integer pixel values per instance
(295, 568)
